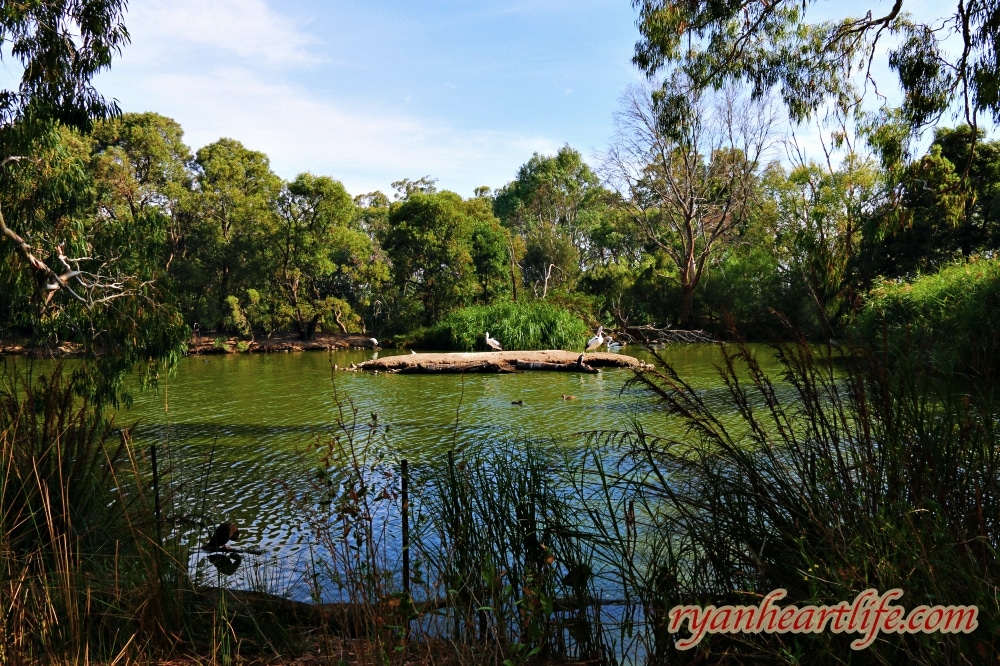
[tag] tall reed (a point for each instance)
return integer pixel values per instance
(823, 483)
(82, 575)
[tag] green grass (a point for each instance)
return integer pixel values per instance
(536, 325)
(950, 318)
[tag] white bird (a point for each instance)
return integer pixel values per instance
(492, 343)
(374, 342)
(412, 352)
(596, 341)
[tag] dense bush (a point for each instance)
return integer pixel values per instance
(536, 325)
(952, 317)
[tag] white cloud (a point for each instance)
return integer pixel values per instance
(366, 148)
(248, 29)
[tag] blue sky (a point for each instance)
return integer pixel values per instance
(372, 92)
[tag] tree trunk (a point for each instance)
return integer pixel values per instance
(687, 306)
(310, 330)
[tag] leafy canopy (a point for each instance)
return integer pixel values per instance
(772, 45)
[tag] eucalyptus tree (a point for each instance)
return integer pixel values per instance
(946, 207)
(229, 235)
(945, 63)
(58, 46)
(443, 253)
(143, 175)
(686, 171)
(822, 211)
(553, 205)
(323, 255)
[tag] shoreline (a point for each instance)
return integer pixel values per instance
(207, 344)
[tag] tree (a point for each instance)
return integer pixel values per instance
(686, 173)
(142, 172)
(60, 45)
(553, 204)
(229, 231)
(772, 45)
(320, 253)
(430, 243)
(939, 213)
(822, 210)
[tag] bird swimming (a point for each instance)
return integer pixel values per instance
(596, 341)
(568, 397)
(493, 343)
(517, 402)
(223, 534)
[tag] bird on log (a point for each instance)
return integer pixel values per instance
(493, 343)
(595, 342)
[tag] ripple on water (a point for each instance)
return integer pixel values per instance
(256, 416)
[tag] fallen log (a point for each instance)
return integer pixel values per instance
(505, 361)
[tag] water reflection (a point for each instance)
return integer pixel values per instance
(238, 433)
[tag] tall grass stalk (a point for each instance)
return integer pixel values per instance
(82, 576)
(874, 477)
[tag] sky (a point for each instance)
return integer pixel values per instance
(373, 92)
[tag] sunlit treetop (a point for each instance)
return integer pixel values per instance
(771, 45)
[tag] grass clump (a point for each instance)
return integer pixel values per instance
(824, 485)
(950, 316)
(81, 573)
(534, 325)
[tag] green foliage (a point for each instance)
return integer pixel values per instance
(228, 233)
(749, 287)
(949, 207)
(60, 46)
(535, 325)
(820, 212)
(553, 205)
(950, 317)
(323, 256)
(773, 46)
(431, 242)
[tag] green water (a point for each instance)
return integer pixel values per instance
(232, 431)
(254, 414)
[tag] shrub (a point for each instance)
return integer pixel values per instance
(536, 325)
(950, 318)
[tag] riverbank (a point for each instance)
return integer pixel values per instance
(211, 344)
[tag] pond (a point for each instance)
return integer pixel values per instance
(232, 431)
